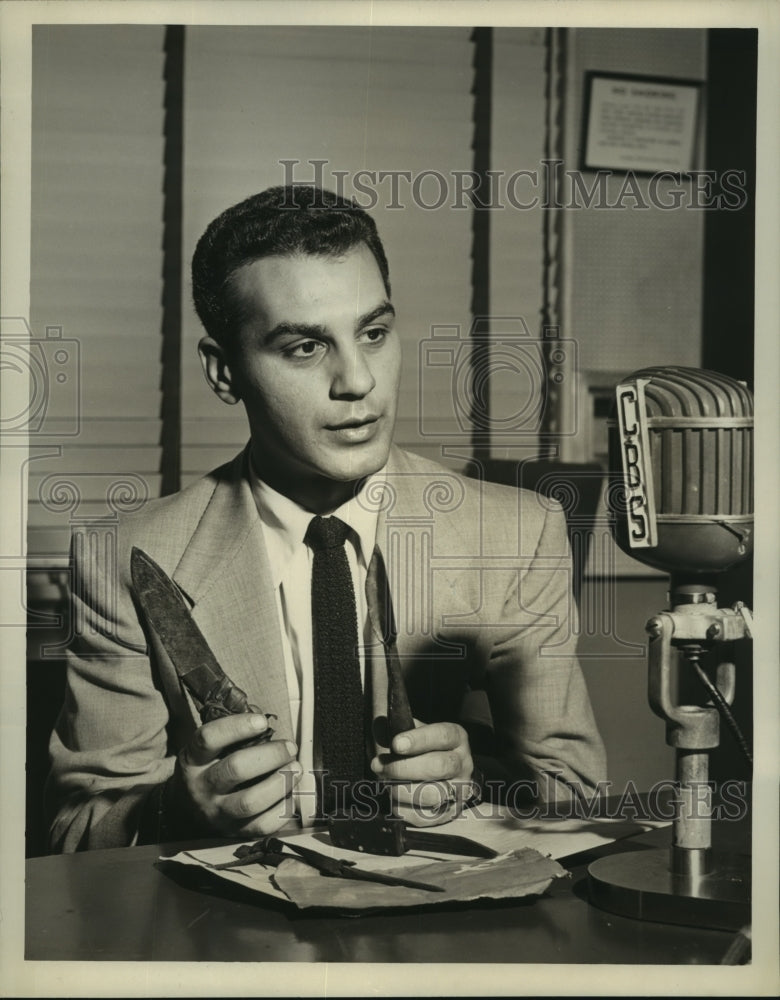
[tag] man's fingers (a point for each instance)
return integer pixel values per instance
(248, 764)
(242, 809)
(425, 795)
(436, 766)
(211, 740)
(232, 788)
(436, 736)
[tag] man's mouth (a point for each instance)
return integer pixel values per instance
(356, 428)
(353, 422)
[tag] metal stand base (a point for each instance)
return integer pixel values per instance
(640, 884)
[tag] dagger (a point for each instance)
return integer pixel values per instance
(389, 835)
(169, 615)
(372, 837)
(270, 851)
(380, 602)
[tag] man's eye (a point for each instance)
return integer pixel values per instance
(375, 334)
(306, 349)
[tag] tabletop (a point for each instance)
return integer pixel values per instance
(128, 904)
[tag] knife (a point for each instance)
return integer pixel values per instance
(270, 850)
(380, 603)
(389, 835)
(169, 615)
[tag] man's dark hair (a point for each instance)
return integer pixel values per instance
(297, 219)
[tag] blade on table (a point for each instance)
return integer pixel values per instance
(346, 869)
(446, 843)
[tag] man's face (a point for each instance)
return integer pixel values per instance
(317, 363)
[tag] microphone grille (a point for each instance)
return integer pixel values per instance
(681, 442)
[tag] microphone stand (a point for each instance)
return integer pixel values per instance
(687, 884)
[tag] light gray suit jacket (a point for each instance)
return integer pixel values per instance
(481, 581)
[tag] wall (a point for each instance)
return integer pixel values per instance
(96, 273)
(95, 291)
(634, 276)
(613, 647)
(634, 293)
(362, 101)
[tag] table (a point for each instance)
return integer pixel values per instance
(127, 905)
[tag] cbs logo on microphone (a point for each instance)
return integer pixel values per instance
(41, 381)
(497, 380)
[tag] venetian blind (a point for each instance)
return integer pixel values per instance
(96, 274)
(381, 99)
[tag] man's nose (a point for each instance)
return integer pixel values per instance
(352, 376)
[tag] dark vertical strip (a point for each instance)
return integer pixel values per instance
(729, 246)
(549, 243)
(173, 169)
(482, 91)
(728, 302)
(558, 367)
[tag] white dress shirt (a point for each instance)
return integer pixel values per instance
(284, 527)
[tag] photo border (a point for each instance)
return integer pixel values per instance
(20, 978)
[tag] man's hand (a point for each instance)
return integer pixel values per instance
(427, 767)
(234, 790)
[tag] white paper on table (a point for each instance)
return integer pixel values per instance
(555, 838)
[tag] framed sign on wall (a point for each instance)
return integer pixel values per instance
(644, 124)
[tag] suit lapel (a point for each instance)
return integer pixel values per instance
(225, 573)
(404, 536)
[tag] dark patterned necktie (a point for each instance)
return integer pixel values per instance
(338, 692)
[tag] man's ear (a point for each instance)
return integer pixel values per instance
(217, 370)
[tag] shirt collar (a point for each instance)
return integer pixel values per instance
(285, 522)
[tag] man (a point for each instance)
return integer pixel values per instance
(293, 290)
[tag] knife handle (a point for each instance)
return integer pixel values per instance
(379, 834)
(226, 698)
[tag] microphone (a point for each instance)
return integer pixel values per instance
(681, 500)
(681, 468)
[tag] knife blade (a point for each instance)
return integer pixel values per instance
(380, 603)
(169, 615)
